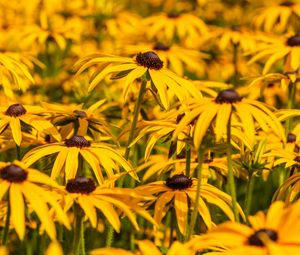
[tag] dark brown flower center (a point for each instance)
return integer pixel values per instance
(287, 3)
(15, 110)
(256, 238)
(297, 159)
(77, 141)
(150, 60)
(179, 181)
(229, 96)
(161, 46)
(173, 14)
(291, 138)
(293, 40)
(80, 114)
(81, 185)
(13, 173)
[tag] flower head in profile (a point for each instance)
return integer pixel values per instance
(177, 190)
(161, 80)
(83, 191)
(29, 188)
(275, 232)
(216, 112)
(18, 116)
(97, 155)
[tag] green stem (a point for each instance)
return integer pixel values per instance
(109, 236)
(249, 195)
(137, 109)
(231, 183)
(78, 242)
(291, 103)
(190, 230)
(18, 148)
(172, 222)
(7, 221)
(188, 160)
(235, 64)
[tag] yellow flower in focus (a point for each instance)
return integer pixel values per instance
(26, 183)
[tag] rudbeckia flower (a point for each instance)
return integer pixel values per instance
(23, 183)
(216, 112)
(18, 116)
(146, 247)
(169, 25)
(273, 233)
(84, 192)
(177, 191)
(97, 155)
(148, 63)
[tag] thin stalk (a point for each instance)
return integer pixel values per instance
(137, 109)
(18, 149)
(249, 195)
(172, 222)
(188, 160)
(6, 227)
(78, 232)
(291, 103)
(235, 64)
(109, 236)
(231, 182)
(190, 230)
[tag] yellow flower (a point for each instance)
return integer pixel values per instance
(97, 155)
(273, 233)
(148, 63)
(17, 116)
(84, 192)
(177, 191)
(21, 182)
(217, 111)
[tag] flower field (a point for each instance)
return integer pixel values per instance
(150, 127)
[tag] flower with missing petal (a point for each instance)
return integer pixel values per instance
(98, 155)
(161, 80)
(275, 232)
(27, 187)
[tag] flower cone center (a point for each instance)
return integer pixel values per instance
(15, 110)
(179, 181)
(291, 138)
(287, 3)
(173, 14)
(81, 185)
(150, 60)
(13, 173)
(256, 238)
(77, 141)
(297, 159)
(80, 114)
(228, 96)
(293, 41)
(161, 46)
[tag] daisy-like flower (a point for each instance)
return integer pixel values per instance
(146, 247)
(277, 15)
(21, 182)
(273, 233)
(84, 192)
(17, 116)
(168, 25)
(177, 191)
(279, 48)
(147, 63)
(97, 155)
(217, 111)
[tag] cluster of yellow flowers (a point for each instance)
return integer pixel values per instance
(150, 127)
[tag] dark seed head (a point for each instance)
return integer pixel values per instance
(236, 28)
(179, 181)
(256, 240)
(297, 159)
(287, 3)
(161, 46)
(15, 110)
(13, 173)
(293, 40)
(228, 96)
(81, 185)
(77, 141)
(291, 138)
(150, 60)
(173, 15)
(80, 114)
